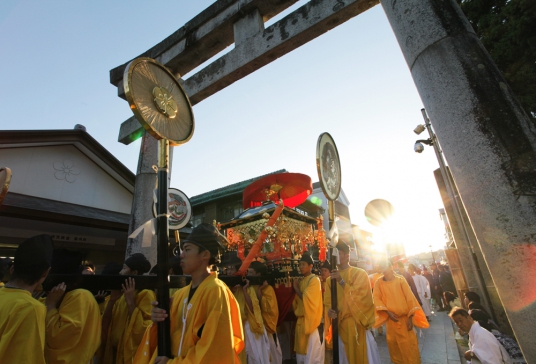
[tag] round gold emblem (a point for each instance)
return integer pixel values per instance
(164, 102)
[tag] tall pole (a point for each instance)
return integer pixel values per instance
(458, 212)
(164, 337)
(334, 303)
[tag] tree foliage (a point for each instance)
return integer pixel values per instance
(507, 28)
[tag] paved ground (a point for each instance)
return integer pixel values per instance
(437, 344)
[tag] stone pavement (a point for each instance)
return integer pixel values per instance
(437, 344)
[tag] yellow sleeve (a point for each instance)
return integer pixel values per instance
(269, 309)
(312, 303)
(23, 336)
(327, 306)
(358, 298)
(255, 318)
(136, 325)
(74, 330)
(379, 305)
(222, 337)
(409, 297)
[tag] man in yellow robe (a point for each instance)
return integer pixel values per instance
(22, 318)
(355, 312)
(269, 310)
(308, 308)
(127, 315)
(73, 321)
(205, 317)
(398, 308)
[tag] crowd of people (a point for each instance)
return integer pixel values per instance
(214, 323)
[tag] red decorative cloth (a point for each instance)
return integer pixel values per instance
(285, 296)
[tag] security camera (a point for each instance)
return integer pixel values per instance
(419, 129)
(418, 148)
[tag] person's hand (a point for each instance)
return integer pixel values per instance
(54, 296)
(409, 324)
(157, 314)
(236, 288)
(468, 355)
(101, 295)
(332, 313)
(336, 275)
(392, 316)
(129, 291)
(161, 360)
(264, 285)
(296, 284)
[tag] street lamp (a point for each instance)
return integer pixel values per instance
(457, 204)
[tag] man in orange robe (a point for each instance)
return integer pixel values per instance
(355, 308)
(398, 308)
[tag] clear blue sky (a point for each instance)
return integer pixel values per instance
(352, 82)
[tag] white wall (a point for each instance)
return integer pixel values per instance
(35, 174)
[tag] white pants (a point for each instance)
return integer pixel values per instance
(425, 305)
(315, 351)
(373, 354)
(257, 348)
(276, 357)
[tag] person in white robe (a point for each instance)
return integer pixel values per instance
(423, 289)
(483, 346)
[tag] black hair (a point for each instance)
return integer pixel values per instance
(482, 317)
(449, 296)
(258, 267)
(28, 275)
(5, 264)
(458, 311)
(472, 296)
(477, 306)
(112, 268)
(211, 260)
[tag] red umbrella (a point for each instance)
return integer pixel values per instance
(292, 188)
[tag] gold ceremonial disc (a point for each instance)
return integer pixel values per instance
(158, 101)
(328, 166)
(164, 102)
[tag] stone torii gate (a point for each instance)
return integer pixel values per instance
(487, 138)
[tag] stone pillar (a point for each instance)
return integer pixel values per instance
(495, 306)
(488, 141)
(142, 202)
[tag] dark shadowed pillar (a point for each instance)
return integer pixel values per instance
(488, 141)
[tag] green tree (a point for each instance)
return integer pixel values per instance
(507, 28)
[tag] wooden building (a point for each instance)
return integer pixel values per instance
(67, 185)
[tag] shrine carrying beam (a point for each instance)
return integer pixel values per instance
(240, 22)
